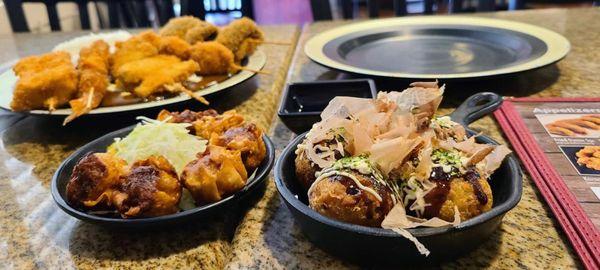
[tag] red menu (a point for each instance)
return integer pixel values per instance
(558, 142)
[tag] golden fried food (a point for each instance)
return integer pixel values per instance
(305, 169)
(190, 29)
(185, 116)
(172, 45)
(247, 139)
(594, 118)
(559, 130)
(216, 173)
(470, 194)
(154, 74)
(214, 58)
(45, 82)
(94, 181)
(138, 47)
(339, 197)
(575, 126)
(206, 126)
(150, 189)
(241, 36)
(589, 156)
(93, 79)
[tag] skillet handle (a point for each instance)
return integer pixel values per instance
(468, 112)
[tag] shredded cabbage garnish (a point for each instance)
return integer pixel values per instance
(153, 137)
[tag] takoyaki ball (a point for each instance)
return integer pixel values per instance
(247, 139)
(215, 174)
(305, 169)
(471, 194)
(150, 189)
(94, 179)
(338, 197)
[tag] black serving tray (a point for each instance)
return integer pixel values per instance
(370, 246)
(303, 102)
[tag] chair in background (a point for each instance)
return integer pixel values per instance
(200, 9)
(121, 13)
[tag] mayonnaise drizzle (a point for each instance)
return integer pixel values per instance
(331, 173)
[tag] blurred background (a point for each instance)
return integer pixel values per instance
(70, 15)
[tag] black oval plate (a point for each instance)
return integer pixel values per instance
(62, 175)
(437, 48)
(375, 246)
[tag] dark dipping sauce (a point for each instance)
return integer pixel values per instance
(353, 190)
(117, 98)
(438, 195)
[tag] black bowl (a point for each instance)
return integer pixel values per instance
(62, 175)
(377, 246)
(303, 102)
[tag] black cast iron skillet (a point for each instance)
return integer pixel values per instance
(63, 174)
(376, 246)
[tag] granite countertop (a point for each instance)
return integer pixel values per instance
(34, 233)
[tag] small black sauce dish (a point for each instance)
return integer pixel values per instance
(369, 246)
(303, 103)
(63, 174)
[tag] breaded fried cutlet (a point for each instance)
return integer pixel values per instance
(214, 58)
(241, 36)
(173, 45)
(190, 29)
(45, 82)
(93, 79)
(150, 75)
(143, 45)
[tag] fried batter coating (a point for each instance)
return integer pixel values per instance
(150, 75)
(150, 189)
(186, 116)
(45, 82)
(305, 169)
(173, 45)
(214, 58)
(247, 139)
(338, 197)
(94, 181)
(93, 79)
(241, 36)
(471, 194)
(216, 173)
(190, 29)
(208, 125)
(589, 156)
(138, 47)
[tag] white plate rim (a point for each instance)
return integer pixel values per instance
(256, 61)
(558, 45)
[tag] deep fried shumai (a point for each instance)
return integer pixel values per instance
(339, 197)
(150, 189)
(45, 82)
(217, 173)
(208, 125)
(185, 116)
(190, 29)
(247, 139)
(94, 181)
(241, 36)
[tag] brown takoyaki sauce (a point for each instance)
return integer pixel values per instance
(353, 190)
(472, 176)
(437, 196)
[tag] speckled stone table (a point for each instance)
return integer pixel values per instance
(34, 233)
(529, 236)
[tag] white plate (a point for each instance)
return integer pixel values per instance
(256, 61)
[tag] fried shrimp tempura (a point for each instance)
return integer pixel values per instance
(190, 29)
(589, 156)
(45, 82)
(138, 47)
(154, 74)
(93, 79)
(213, 58)
(241, 36)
